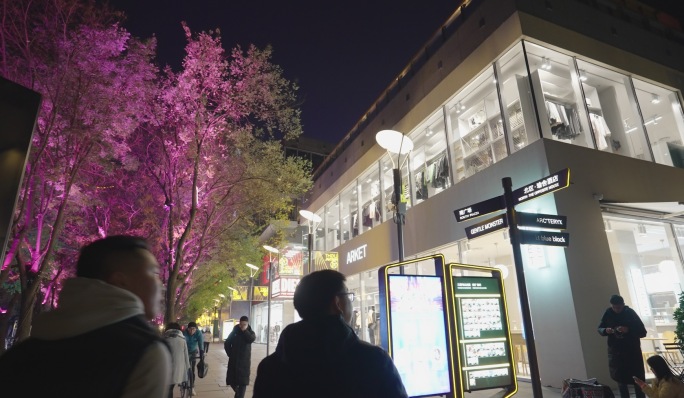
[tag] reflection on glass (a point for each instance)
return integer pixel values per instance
(515, 94)
(555, 77)
(612, 111)
(477, 136)
(319, 234)
(662, 116)
(429, 163)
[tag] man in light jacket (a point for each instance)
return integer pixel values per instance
(180, 361)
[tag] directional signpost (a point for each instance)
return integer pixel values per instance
(513, 220)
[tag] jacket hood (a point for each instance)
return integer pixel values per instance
(314, 344)
(173, 333)
(86, 304)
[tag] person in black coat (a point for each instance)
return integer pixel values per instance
(624, 329)
(321, 356)
(238, 347)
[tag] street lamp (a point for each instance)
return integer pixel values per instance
(253, 270)
(271, 250)
(397, 143)
(312, 220)
(230, 305)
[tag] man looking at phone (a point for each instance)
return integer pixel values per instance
(238, 347)
(624, 329)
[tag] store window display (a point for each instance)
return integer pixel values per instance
(371, 200)
(349, 212)
(557, 91)
(515, 94)
(613, 111)
(477, 134)
(649, 272)
(663, 121)
(429, 163)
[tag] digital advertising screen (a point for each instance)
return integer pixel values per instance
(418, 333)
(484, 348)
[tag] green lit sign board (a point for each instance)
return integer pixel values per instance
(482, 330)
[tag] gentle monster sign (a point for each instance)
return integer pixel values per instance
(493, 224)
(357, 254)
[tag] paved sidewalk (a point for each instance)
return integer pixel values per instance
(214, 385)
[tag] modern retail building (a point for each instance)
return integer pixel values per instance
(522, 89)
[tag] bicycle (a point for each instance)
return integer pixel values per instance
(186, 387)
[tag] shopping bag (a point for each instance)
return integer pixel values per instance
(202, 368)
(575, 388)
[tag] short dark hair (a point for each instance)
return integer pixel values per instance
(244, 318)
(316, 291)
(192, 325)
(616, 299)
(98, 259)
(173, 326)
(661, 369)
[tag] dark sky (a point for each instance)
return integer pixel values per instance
(342, 54)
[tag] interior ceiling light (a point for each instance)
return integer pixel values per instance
(655, 99)
(642, 230)
(607, 226)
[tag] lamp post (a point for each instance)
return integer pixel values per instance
(312, 221)
(253, 270)
(230, 305)
(271, 250)
(397, 143)
(219, 324)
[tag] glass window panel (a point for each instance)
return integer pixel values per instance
(515, 93)
(613, 111)
(662, 115)
(429, 163)
(648, 271)
(477, 137)
(349, 213)
(332, 224)
(554, 76)
(370, 324)
(319, 239)
(369, 182)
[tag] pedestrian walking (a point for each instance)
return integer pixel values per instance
(624, 329)
(180, 361)
(238, 347)
(206, 336)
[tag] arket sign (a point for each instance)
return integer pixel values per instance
(357, 254)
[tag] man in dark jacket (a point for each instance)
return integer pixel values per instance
(321, 356)
(98, 342)
(624, 329)
(238, 347)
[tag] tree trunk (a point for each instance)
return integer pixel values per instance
(28, 303)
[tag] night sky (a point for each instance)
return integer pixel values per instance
(342, 54)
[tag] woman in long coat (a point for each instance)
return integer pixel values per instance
(238, 347)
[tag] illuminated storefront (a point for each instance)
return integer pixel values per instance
(530, 91)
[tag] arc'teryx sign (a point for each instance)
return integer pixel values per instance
(539, 220)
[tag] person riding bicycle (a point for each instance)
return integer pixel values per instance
(195, 342)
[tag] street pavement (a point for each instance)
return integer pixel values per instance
(214, 384)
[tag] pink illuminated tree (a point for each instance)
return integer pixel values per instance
(213, 152)
(96, 81)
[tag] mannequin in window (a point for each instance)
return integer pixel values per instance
(371, 324)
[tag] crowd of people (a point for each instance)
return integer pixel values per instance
(99, 342)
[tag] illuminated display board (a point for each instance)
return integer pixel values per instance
(483, 338)
(419, 333)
